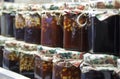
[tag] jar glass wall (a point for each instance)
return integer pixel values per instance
(105, 35)
(64, 70)
(27, 63)
(3, 39)
(65, 63)
(19, 26)
(11, 59)
(51, 29)
(43, 62)
(33, 28)
(43, 69)
(75, 36)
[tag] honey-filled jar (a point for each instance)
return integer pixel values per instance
(51, 29)
(66, 65)
(32, 28)
(19, 26)
(43, 62)
(75, 31)
(27, 58)
(11, 56)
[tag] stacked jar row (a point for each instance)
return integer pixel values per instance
(24, 58)
(55, 29)
(57, 63)
(81, 31)
(70, 30)
(43, 62)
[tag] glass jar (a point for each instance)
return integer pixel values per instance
(43, 67)
(27, 59)
(11, 59)
(3, 24)
(102, 65)
(9, 20)
(104, 31)
(51, 29)
(2, 42)
(33, 28)
(64, 70)
(11, 55)
(64, 64)
(27, 63)
(75, 32)
(43, 62)
(19, 26)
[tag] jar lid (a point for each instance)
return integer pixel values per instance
(67, 62)
(35, 7)
(68, 57)
(28, 47)
(13, 43)
(11, 50)
(46, 53)
(9, 7)
(64, 54)
(47, 50)
(24, 52)
(100, 59)
(106, 14)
